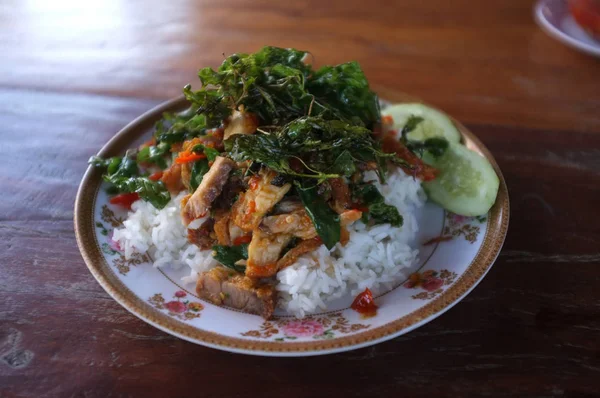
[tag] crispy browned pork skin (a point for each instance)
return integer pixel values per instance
(264, 251)
(203, 236)
(222, 227)
(258, 200)
(305, 246)
(223, 286)
(211, 186)
(275, 232)
(296, 223)
(172, 179)
(240, 122)
(340, 194)
(350, 216)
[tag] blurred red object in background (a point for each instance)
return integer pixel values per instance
(587, 15)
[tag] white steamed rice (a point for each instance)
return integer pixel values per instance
(374, 258)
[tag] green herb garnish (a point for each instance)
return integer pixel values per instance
(123, 176)
(323, 148)
(378, 211)
(276, 85)
(199, 168)
(229, 255)
(325, 220)
(154, 154)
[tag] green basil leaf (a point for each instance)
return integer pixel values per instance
(344, 164)
(325, 220)
(379, 212)
(154, 154)
(123, 176)
(229, 255)
(199, 168)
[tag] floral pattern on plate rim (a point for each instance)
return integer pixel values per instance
(326, 326)
(111, 248)
(457, 225)
(178, 308)
(431, 281)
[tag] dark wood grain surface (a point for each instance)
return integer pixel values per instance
(73, 73)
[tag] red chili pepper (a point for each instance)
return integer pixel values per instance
(253, 183)
(125, 199)
(387, 120)
(251, 207)
(242, 239)
(187, 157)
(156, 176)
(365, 304)
(263, 271)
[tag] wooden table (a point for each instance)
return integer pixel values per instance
(73, 73)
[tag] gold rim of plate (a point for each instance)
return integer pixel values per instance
(84, 232)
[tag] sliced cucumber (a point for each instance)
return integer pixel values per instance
(467, 183)
(434, 124)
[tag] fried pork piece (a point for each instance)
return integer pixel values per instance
(186, 175)
(235, 232)
(297, 223)
(288, 205)
(349, 216)
(240, 122)
(340, 194)
(275, 232)
(213, 139)
(172, 179)
(258, 200)
(211, 186)
(222, 227)
(233, 187)
(305, 246)
(202, 237)
(264, 252)
(223, 286)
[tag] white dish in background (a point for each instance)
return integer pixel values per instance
(554, 18)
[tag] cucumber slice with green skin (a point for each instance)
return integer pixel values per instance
(466, 184)
(434, 125)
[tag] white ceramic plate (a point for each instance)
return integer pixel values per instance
(554, 18)
(446, 272)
